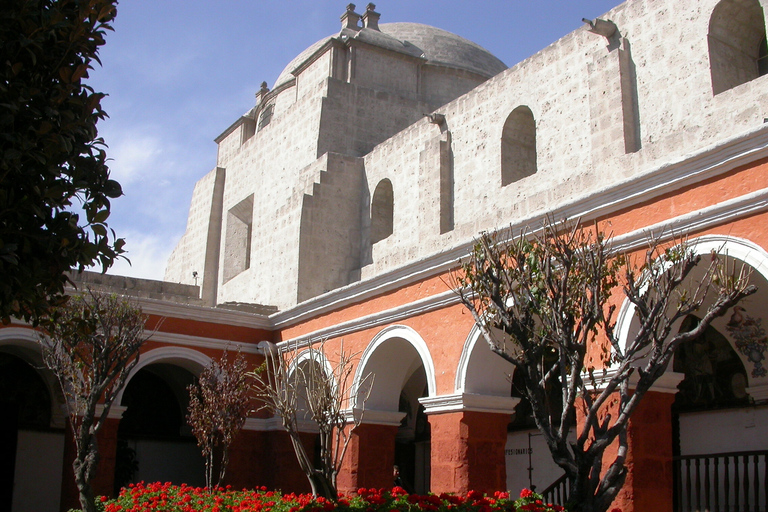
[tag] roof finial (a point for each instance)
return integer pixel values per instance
(371, 17)
(262, 92)
(350, 18)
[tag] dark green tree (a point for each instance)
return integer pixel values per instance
(55, 188)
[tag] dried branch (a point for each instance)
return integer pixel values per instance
(542, 301)
(91, 344)
(297, 385)
(218, 407)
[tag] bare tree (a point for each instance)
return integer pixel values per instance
(218, 407)
(91, 344)
(295, 385)
(545, 302)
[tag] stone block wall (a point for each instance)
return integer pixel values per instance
(595, 128)
(604, 110)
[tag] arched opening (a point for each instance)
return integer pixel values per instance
(719, 421)
(715, 377)
(403, 373)
(518, 146)
(31, 451)
(382, 211)
(155, 443)
(526, 447)
(736, 38)
(412, 442)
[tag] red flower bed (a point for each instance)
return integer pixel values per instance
(173, 498)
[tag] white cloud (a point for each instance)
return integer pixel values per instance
(134, 156)
(148, 255)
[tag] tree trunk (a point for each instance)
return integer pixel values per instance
(84, 467)
(321, 486)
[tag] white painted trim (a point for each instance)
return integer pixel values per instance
(200, 342)
(388, 316)
(469, 402)
(689, 169)
(389, 418)
(759, 392)
(319, 357)
(203, 313)
(14, 335)
(667, 383)
(115, 411)
(411, 336)
(466, 353)
(192, 360)
(738, 248)
(699, 220)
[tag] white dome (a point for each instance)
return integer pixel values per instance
(435, 45)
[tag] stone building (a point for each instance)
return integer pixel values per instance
(341, 201)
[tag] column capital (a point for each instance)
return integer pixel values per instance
(464, 402)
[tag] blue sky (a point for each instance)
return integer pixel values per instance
(179, 72)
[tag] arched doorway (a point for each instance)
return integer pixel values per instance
(31, 451)
(400, 361)
(719, 420)
(528, 462)
(154, 442)
(412, 442)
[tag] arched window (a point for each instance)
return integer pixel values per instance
(737, 48)
(382, 211)
(518, 146)
(266, 116)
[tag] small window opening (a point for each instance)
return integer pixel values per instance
(266, 115)
(248, 130)
(518, 146)
(737, 44)
(237, 244)
(762, 58)
(382, 211)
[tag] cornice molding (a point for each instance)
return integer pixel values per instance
(200, 342)
(758, 393)
(469, 402)
(663, 179)
(666, 383)
(388, 418)
(386, 317)
(204, 313)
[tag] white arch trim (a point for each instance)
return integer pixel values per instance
(409, 335)
(466, 352)
(734, 247)
(189, 359)
(738, 248)
(318, 357)
(20, 336)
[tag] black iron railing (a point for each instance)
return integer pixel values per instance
(557, 492)
(727, 482)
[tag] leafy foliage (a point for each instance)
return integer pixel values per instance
(92, 344)
(51, 159)
(218, 406)
(309, 385)
(545, 302)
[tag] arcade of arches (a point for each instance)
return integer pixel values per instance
(445, 413)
